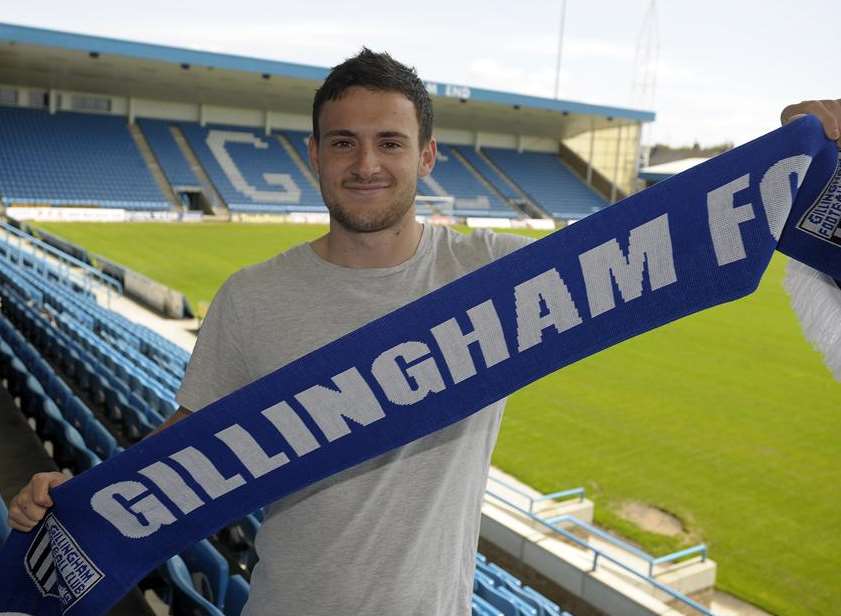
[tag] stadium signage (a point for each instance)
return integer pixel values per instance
(448, 89)
(696, 240)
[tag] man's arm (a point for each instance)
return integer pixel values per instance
(173, 419)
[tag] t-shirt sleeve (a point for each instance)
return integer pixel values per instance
(217, 366)
(502, 244)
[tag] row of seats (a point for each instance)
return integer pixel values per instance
(67, 159)
(154, 356)
(172, 162)
(548, 182)
(73, 159)
(117, 399)
(79, 441)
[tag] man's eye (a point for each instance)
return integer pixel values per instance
(341, 144)
(392, 145)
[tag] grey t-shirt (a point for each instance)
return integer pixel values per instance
(396, 534)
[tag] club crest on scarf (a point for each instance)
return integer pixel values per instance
(58, 566)
(823, 219)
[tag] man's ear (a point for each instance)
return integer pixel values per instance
(428, 154)
(312, 150)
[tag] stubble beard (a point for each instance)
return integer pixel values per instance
(370, 221)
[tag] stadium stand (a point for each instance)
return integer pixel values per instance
(547, 182)
(251, 171)
(472, 197)
(172, 161)
(298, 140)
(72, 159)
(491, 175)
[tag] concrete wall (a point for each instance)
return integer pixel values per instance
(613, 151)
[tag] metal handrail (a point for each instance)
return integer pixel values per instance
(579, 492)
(597, 553)
(63, 256)
(601, 534)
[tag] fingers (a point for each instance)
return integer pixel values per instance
(41, 484)
(827, 111)
(30, 505)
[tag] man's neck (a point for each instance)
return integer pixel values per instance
(385, 248)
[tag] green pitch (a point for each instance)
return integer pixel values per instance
(727, 419)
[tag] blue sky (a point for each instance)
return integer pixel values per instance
(725, 69)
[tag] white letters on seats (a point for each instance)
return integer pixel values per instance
(650, 243)
(216, 140)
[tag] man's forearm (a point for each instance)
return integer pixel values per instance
(177, 416)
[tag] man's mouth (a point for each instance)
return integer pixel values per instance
(366, 189)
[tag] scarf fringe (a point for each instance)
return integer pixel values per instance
(816, 300)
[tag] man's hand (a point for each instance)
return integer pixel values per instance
(828, 112)
(30, 505)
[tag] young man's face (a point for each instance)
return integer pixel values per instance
(368, 158)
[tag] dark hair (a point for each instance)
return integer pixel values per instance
(376, 71)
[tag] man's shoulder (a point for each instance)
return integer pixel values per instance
(272, 270)
(485, 242)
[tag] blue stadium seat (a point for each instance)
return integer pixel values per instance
(237, 596)
(99, 440)
(48, 421)
(209, 571)
(76, 413)
(240, 537)
(69, 450)
(4, 523)
(480, 607)
(501, 598)
(32, 396)
(16, 377)
(185, 598)
(135, 423)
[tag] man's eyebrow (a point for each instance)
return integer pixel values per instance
(340, 132)
(343, 132)
(392, 134)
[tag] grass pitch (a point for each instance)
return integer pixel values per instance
(726, 418)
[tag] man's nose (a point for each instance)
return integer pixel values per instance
(367, 163)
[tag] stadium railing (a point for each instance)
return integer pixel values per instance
(69, 260)
(532, 500)
(649, 579)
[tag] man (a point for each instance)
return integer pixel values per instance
(397, 534)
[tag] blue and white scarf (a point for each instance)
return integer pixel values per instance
(702, 238)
